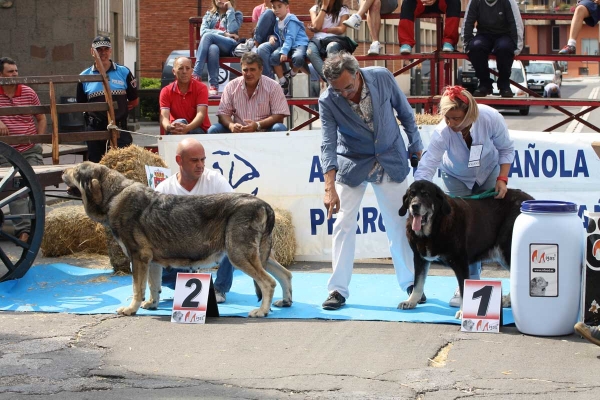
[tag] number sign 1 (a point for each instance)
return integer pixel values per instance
(194, 299)
(482, 306)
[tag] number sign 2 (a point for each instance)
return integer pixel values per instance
(194, 299)
(482, 306)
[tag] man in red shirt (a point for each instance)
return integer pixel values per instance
(20, 95)
(184, 103)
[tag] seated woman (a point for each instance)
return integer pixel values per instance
(412, 9)
(473, 150)
(219, 35)
(327, 22)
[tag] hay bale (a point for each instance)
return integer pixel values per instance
(68, 230)
(284, 238)
(131, 162)
(428, 119)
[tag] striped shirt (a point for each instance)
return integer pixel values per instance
(20, 124)
(268, 99)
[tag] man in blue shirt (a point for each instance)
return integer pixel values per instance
(362, 144)
(124, 91)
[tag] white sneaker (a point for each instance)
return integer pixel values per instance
(374, 49)
(456, 299)
(353, 22)
(221, 297)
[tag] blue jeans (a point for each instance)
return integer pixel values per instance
(264, 51)
(298, 56)
(219, 128)
(455, 187)
(211, 47)
(197, 131)
(265, 27)
(314, 55)
(222, 283)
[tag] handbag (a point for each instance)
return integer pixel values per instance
(243, 48)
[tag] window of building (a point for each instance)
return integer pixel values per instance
(556, 38)
(104, 16)
(589, 47)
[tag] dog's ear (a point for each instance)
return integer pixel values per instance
(402, 211)
(95, 191)
(446, 209)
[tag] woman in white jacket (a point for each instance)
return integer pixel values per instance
(473, 150)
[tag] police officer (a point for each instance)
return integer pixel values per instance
(124, 91)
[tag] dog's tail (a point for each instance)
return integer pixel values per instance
(258, 291)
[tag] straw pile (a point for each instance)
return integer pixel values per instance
(284, 238)
(69, 230)
(131, 162)
(428, 119)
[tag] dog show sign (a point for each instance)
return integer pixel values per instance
(482, 306)
(194, 299)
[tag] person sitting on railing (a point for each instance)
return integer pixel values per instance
(373, 10)
(327, 22)
(412, 9)
(264, 20)
(124, 91)
(288, 40)
(184, 102)
(587, 11)
(499, 31)
(219, 36)
(20, 95)
(252, 102)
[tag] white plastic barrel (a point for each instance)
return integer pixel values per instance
(546, 264)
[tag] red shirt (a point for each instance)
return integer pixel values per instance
(185, 105)
(20, 124)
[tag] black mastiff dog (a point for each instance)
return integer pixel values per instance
(457, 232)
(157, 230)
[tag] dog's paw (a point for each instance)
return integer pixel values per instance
(407, 305)
(506, 301)
(258, 313)
(458, 314)
(126, 311)
(150, 305)
(283, 303)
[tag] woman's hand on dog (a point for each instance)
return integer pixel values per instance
(501, 189)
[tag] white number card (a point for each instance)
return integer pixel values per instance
(482, 305)
(194, 296)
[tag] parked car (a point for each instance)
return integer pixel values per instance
(467, 79)
(541, 73)
(167, 72)
(518, 75)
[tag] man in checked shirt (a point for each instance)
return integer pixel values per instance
(252, 102)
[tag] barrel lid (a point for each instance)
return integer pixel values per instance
(548, 206)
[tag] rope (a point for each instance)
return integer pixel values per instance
(112, 126)
(479, 196)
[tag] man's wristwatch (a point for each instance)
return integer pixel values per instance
(257, 126)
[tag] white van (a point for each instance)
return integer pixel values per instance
(518, 75)
(540, 73)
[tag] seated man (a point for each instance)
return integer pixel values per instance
(252, 102)
(184, 103)
(20, 95)
(194, 179)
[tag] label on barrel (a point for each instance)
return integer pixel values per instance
(543, 270)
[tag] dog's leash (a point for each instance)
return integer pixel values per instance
(479, 196)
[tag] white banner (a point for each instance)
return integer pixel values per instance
(283, 168)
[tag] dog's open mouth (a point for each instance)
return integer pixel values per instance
(418, 221)
(73, 191)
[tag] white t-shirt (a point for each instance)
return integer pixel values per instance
(328, 21)
(210, 182)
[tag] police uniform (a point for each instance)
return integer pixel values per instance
(123, 89)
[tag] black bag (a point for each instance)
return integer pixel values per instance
(348, 45)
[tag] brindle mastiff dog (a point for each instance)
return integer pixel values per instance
(160, 230)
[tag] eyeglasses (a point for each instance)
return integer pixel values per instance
(348, 89)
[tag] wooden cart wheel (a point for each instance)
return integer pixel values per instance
(20, 182)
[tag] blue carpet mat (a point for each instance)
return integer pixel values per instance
(374, 297)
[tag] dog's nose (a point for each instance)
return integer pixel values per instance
(415, 207)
